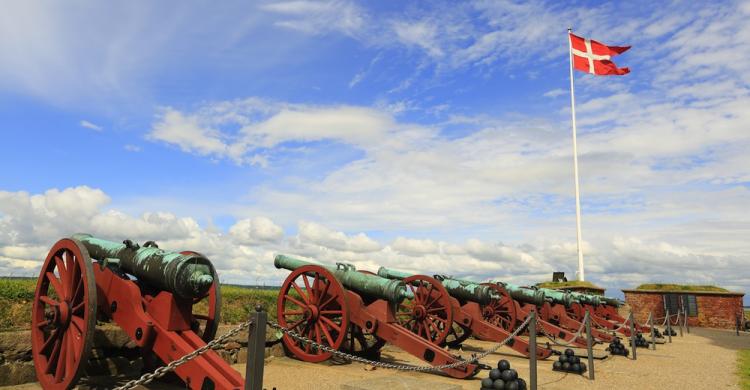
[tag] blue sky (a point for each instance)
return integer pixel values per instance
(433, 136)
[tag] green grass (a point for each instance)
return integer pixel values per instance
(572, 283)
(17, 296)
(680, 287)
(743, 368)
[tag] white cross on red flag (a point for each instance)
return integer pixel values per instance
(595, 57)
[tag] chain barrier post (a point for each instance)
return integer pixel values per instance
(632, 335)
(532, 350)
(687, 324)
(669, 326)
(256, 344)
(653, 330)
(679, 324)
(737, 325)
(589, 345)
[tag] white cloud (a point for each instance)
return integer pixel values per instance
(555, 93)
(319, 17)
(89, 125)
(412, 246)
(313, 233)
(132, 148)
(422, 34)
(255, 230)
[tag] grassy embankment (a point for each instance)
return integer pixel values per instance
(680, 287)
(572, 283)
(17, 295)
(743, 368)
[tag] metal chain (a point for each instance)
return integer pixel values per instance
(576, 335)
(161, 371)
(403, 367)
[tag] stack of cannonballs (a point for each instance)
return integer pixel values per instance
(503, 377)
(616, 348)
(666, 331)
(657, 334)
(568, 362)
(641, 341)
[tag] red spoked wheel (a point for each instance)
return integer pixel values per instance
(501, 311)
(207, 310)
(312, 303)
(428, 314)
(63, 315)
(457, 334)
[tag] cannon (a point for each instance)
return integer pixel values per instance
(466, 300)
(527, 299)
(148, 292)
(355, 312)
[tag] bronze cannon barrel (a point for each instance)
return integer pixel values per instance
(361, 283)
(188, 275)
(461, 289)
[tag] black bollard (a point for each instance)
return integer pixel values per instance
(256, 344)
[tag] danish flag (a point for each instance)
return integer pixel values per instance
(595, 57)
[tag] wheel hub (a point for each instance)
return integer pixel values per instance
(312, 313)
(420, 312)
(63, 314)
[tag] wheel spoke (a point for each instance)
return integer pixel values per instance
(302, 295)
(295, 301)
(77, 322)
(42, 324)
(78, 307)
(56, 285)
(332, 312)
(49, 300)
(64, 275)
(317, 333)
(70, 355)
(50, 340)
(327, 334)
(293, 312)
(70, 267)
(316, 283)
(310, 292)
(53, 356)
(332, 324)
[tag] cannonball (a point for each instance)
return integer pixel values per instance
(487, 383)
(583, 367)
(503, 365)
(575, 367)
(566, 366)
(495, 374)
(509, 375)
(512, 385)
(569, 352)
(498, 384)
(556, 365)
(521, 384)
(576, 359)
(563, 359)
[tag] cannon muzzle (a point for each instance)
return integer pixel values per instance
(189, 275)
(524, 294)
(361, 283)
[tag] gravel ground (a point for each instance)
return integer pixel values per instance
(705, 359)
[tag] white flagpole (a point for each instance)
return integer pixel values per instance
(575, 162)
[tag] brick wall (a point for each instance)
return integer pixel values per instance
(642, 304)
(714, 311)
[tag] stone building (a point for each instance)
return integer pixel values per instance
(711, 309)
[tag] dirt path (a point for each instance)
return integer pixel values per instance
(705, 359)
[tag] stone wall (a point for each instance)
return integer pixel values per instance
(714, 310)
(113, 355)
